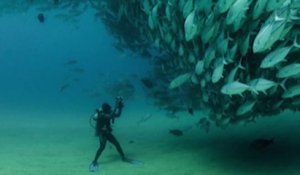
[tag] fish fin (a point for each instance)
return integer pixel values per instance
(228, 37)
(282, 84)
(240, 64)
(277, 18)
(253, 90)
(296, 44)
(294, 18)
(264, 92)
(93, 167)
(224, 61)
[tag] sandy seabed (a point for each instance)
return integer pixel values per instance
(64, 144)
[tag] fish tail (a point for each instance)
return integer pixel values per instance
(282, 84)
(240, 65)
(254, 91)
(296, 44)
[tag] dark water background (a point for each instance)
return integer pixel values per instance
(33, 57)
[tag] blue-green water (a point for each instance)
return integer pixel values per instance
(45, 129)
(34, 56)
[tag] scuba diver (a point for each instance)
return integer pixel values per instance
(104, 117)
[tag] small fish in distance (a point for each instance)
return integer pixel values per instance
(41, 17)
(176, 132)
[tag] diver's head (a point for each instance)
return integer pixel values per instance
(106, 108)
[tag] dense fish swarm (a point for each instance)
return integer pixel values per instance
(237, 58)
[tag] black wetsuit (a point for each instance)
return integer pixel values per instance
(103, 131)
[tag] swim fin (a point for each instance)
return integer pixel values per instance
(93, 167)
(133, 161)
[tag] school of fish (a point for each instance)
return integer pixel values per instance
(244, 52)
(240, 57)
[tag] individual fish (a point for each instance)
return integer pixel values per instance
(71, 62)
(178, 81)
(222, 44)
(260, 144)
(181, 50)
(131, 141)
(242, 16)
(204, 124)
(190, 26)
(187, 8)
(245, 108)
(261, 84)
(41, 17)
(291, 92)
(203, 83)
(209, 31)
(168, 12)
(258, 9)
(269, 33)
(144, 119)
(194, 79)
(231, 76)
(146, 7)
(192, 58)
(296, 103)
(218, 71)
(199, 68)
(236, 88)
(204, 5)
(237, 10)
(64, 87)
(223, 5)
(151, 22)
(274, 4)
(154, 16)
(277, 104)
(176, 132)
(190, 110)
(205, 97)
(244, 44)
(230, 57)
(209, 55)
(289, 71)
(147, 83)
(275, 57)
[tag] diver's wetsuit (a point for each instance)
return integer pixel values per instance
(103, 130)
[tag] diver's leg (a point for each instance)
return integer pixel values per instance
(102, 140)
(114, 141)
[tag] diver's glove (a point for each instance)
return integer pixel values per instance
(119, 102)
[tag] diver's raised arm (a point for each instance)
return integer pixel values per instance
(118, 107)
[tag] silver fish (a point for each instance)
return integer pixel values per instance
(190, 26)
(178, 81)
(259, 7)
(218, 71)
(261, 84)
(275, 57)
(291, 92)
(236, 88)
(289, 70)
(223, 5)
(245, 108)
(237, 10)
(199, 67)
